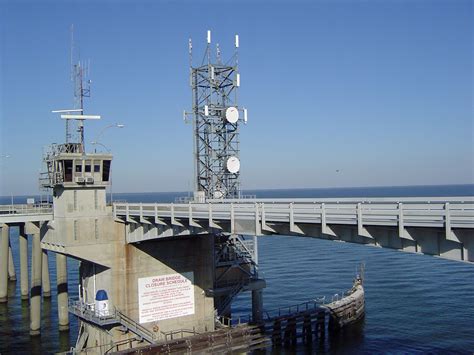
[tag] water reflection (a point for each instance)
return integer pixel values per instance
(350, 337)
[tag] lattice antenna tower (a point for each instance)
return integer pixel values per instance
(216, 117)
(82, 89)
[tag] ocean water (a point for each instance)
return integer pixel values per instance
(414, 303)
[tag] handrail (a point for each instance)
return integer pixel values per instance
(83, 310)
(228, 300)
(183, 331)
(22, 209)
(135, 327)
(312, 211)
(300, 307)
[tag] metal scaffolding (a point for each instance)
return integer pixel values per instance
(216, 117)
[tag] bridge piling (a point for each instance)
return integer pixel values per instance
(61, 280)
(23, 244)
(257, 305)
(11, 266)
(46, 284)
(36, 276)
(4, 247)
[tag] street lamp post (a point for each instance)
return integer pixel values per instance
(115, 125)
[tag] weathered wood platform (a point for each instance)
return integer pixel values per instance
(242, 338)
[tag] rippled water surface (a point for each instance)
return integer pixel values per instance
(414, 303)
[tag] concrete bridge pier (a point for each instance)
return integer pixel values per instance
(46, 284)
(11, 266)
(257, 305)
(23, 244)
(61, 280)
(36, 276)
(4, 247)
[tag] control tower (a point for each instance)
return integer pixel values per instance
(78, 179)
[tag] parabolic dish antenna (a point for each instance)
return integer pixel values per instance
(233, 165)
(232, 115)
(218, 194)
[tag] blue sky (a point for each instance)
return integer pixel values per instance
(339, 93)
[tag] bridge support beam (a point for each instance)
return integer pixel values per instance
(36, 275)
(46, 284)
(61, 279)
(4, 247)
(11, 265)
(23, 242)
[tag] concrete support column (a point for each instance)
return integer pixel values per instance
(257, 305)
(4, 263)
(61, 272)
(36, 274)
(11, 266)
(46, 285)
(23, 242)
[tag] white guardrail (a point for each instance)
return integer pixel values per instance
(449, 212)
(24, 209)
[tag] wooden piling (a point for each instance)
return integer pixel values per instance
(307, 331)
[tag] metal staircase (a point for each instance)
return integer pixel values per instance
(115, 317)
(224, 305)
(233, 252)
(130, 325)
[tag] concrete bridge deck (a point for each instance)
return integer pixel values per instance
(22, 213)
(442, 226)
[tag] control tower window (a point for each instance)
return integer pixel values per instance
(68, 170)
(105, 170)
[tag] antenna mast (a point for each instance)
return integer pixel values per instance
(216, 119)
(81, 87)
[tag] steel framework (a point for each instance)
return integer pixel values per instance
(215, 115)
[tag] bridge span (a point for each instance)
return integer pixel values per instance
(440, 226)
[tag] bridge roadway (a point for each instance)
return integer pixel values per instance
(440, 226)
(22, 213)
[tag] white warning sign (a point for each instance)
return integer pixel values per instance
(165, 296)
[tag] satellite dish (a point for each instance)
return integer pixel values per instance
(233, 165)
(232, 115)
(218, 194)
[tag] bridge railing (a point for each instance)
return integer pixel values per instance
(432, 212)
(25, 209)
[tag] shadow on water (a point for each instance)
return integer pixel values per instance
(5, 321)
(342, 340)
(46, 315)
(25, 314)
(64, 341)
(11, 289)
